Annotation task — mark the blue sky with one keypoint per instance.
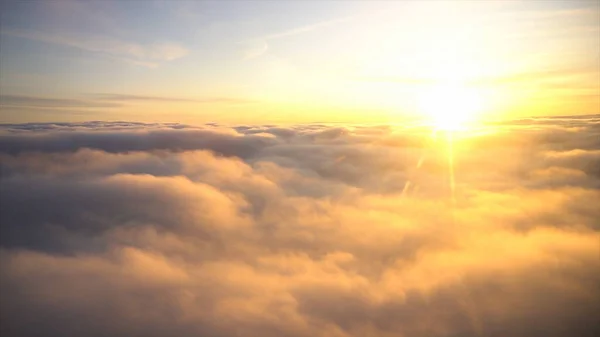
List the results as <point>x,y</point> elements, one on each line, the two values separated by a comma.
<point>291,61</point>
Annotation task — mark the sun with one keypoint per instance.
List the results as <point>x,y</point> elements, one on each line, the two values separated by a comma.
<point>450,107</point>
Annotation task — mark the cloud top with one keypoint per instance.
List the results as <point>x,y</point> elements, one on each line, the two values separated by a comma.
<point>127,229</point>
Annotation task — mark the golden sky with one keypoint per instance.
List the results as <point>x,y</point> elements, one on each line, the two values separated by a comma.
<point>289,62</point>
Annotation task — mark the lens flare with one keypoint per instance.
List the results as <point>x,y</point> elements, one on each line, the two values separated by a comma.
<point>450,107</point>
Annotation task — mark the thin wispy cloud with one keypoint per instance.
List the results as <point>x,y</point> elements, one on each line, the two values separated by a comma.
<point>258,46</point>
<point>552,23</point>
<point>141,54</point>
<point>15,103</point>
<point>581,78</point>
<point>8,101</point>
<point>585,11</point>
<point>141,98</point>
<point>550,74</point>
<point>305,29</point>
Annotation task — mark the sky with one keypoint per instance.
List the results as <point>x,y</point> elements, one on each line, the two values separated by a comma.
<point>290,62</point>
<point>299,169</point>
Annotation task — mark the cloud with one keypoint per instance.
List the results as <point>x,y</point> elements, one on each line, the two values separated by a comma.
<point>126,98</point>
<point>224,141</point>
<point>103,100</point>
<point>144,55</point>
<point>582,79</point>
<point>46,102</point>
<point>124,228</point>
<point>304,29</point>
<point>551,78</point>
<point>257,46</point>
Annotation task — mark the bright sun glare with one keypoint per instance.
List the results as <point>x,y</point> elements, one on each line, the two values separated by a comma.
<point>450,107</point>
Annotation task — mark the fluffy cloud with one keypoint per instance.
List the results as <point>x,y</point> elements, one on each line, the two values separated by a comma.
<point>128,229</point>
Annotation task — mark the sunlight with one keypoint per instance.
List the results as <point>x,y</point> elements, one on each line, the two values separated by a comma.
<point>450,107</point>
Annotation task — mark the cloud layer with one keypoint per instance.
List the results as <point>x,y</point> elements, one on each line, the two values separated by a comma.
<point>131,229</point>
<point>104,100</point>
